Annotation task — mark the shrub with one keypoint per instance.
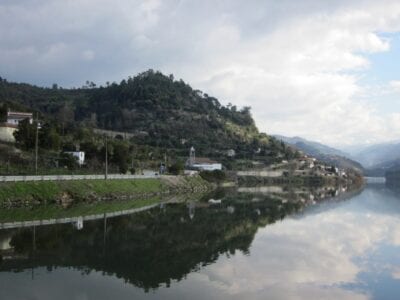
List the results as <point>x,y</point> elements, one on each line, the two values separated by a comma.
<point>213,176</point>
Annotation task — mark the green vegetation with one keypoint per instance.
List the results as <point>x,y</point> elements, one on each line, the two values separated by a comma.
<point>66,193</point>
<point>328,155</point>
<point>217,176</point>
<point>309,181</point>
<point>48,192</point>
<point>80,209</point>
<point>140,248</point>
<point>164,117</point>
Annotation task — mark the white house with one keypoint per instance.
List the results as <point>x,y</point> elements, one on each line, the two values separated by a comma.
<point>14,117</point>
<point>201,163</point>
<point>8,128</point>
<point>79,155</point>
<point>205,164</point>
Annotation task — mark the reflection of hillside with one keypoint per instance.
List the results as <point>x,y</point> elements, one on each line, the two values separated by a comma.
<point>149,248</point>
<point>394,186</point>
<point>305,194</point>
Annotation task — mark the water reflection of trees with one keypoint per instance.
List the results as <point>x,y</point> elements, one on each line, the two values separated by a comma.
<point>152,247</point>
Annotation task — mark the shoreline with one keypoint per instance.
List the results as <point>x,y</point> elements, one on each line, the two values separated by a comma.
<point>67,193</point>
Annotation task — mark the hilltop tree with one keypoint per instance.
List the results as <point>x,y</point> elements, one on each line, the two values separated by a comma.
<point>3,113</point>
<point>49,137</point>
<point>25,136</point>
<point>120,156</point>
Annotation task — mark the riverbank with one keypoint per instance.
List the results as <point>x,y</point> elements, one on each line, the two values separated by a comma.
<point>356,180</point>
<point>66,193</point>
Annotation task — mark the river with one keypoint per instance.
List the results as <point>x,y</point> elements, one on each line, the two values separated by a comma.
<point>248,244</point>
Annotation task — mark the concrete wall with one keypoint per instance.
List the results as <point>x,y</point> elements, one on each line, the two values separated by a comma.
<point>260,173</point>
<point>6,134</point>
<point>208,167</point>
<point>113,134</point>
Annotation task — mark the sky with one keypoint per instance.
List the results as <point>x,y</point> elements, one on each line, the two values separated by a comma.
<point>323,70</point>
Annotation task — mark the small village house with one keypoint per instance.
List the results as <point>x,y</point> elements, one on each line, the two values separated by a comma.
<point>201,163</point>
<point>79,155</point>
<point>205,164</point>
<point>8,128</point>
<point>14,118</point>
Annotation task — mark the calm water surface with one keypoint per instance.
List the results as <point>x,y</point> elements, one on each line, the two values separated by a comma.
<point>250,246</point>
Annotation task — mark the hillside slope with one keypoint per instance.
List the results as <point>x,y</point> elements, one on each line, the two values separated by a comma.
<point>322,152</point>
<point>158,110</point>
<point>378,155</point>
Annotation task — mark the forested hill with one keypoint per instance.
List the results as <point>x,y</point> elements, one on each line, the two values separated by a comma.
<point>160,111</point>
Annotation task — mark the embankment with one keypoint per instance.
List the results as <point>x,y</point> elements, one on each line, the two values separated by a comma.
<point>356,180</point>
<point>65,193</point>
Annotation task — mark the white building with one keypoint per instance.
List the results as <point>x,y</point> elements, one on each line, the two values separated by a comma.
<point>231,153</point>
<point>8,128</point>
<point>201,163</point>
<point>14,118</point>
<point>205,164</point>
<point>79,155</point>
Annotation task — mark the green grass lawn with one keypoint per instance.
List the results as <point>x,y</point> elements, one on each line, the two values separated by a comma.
<point>49,191</point>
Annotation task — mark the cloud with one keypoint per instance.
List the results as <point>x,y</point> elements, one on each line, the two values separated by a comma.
<point>395,85</point>
<point>292,260</point>
<point>298,66</point>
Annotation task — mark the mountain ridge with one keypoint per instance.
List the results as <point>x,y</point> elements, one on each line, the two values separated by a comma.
<point>322,152</point>
<point>162,113</point>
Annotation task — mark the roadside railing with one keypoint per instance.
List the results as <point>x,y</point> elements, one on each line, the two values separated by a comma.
<point>73,177</point>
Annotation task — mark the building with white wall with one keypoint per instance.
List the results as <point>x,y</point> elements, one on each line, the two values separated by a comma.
<point>14,118</point>
<point>79,155</point>
<point>201,163</point>
<point>205,164</point>
<point>8,128</point>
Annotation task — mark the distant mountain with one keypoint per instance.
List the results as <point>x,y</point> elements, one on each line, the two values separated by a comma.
<point>310,147</point>
<point>381,169</point>
<point>380,155</point>
<point>322,152</point>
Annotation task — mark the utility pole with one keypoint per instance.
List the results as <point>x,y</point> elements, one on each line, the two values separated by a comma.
<point>106,169</point>
<point>104,234</point>
<point>165,163</point>
<point>33,252</point>
<point>36,144</point>
<point>132,163</point>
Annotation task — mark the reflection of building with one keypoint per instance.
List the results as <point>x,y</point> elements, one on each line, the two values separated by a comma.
<point>5,243</point>
<point>79,224</point>
<point>191,209</point>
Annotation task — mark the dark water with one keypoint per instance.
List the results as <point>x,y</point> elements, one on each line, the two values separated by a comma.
<point>271,245</point>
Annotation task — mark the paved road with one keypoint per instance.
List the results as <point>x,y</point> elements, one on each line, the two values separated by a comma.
<point>73,177</point>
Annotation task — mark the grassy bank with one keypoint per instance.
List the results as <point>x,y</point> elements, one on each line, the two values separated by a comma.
<point>26,194</point>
